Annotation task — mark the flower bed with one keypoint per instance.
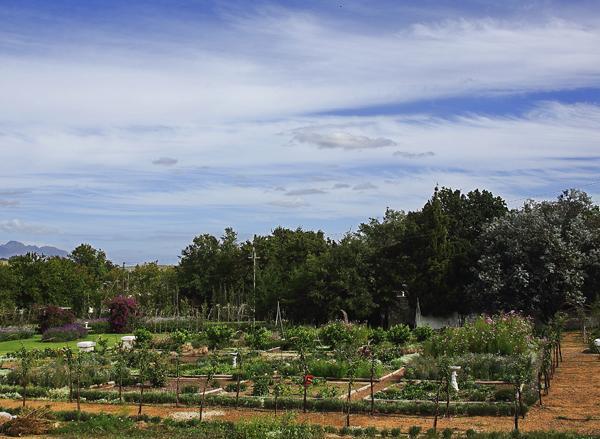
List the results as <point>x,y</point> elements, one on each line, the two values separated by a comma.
<point>16,333</point>
<point>69,332</point>
<point>427,390</point>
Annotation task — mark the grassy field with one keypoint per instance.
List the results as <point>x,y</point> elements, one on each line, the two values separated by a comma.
<point>36,343</point>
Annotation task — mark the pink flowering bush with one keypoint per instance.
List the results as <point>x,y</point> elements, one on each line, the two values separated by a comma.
<point>502,334</point>
<point>123,310</point>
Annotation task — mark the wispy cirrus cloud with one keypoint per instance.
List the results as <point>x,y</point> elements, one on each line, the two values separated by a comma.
<point>188,120</point>
<point>340,140</point>
<point>165,161</point>
<point>19,226</point>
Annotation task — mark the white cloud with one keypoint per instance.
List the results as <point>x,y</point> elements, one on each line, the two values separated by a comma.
<point>308,191</point>
<point>413,155</point>
<point>19,226</point>
<point>340,140</point>
<point>210,76</point>
<point>9,203</point>
<point>165,161</point>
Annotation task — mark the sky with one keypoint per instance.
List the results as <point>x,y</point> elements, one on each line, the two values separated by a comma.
<point>135,126</point>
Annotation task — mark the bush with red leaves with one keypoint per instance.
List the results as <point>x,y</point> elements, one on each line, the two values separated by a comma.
<point>123,310</point>
<point>53,316</point>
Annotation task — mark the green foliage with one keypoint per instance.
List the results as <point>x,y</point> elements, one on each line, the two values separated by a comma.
<point>301,337</point>
<point>259,338</point>
<point>414,431</point>
<point>399,334</point>
<point>503,334</point>
<point>232,387</point>
<point>260,386</point>
<point>15,333</point>
<point>474,366</point>
<point>218,335</point>
<point>142,336</point>
<point>423,333</point>
<point>337,334</point>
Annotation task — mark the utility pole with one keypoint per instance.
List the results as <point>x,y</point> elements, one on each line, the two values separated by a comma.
<point>254,258</point>
<point>123,282</point>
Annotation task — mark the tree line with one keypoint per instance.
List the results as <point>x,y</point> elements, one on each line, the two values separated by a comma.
<point>461,252</point>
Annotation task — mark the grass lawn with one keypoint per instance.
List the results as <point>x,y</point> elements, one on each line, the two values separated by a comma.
<point>36,343</point>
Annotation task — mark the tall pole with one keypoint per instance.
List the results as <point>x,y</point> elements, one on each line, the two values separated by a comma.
<point>254,258</point>
<point>123,286</point>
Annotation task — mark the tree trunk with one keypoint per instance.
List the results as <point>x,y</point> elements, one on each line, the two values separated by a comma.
<point>521,410</point>
<point>177,382</point>
<point>447,414</point>
<point>276,394</point>
<point>70,385</point>
<point>120,385</point>
<point>372,385</point>
<point>79,392</point>
<point>516,405</point>
<point>239,379</point>
<point>348,402</point>
<point>141,399</point>
<point>437,406</point>
<point>24,389</point>
<point>304,395</point>
<point>540,387</point>
<point>560,351</point>
<point>203,396</point>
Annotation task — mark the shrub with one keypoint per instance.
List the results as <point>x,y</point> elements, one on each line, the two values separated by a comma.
<point>69,332</point>
<point>259,338</point>
<point>232,387</point>
<point>423,333</point>
<point>414,431</point>
<point>261,386</point>
<point>378,335</point>
<point>122,312</point>
<point>218,335</point>
<point>143,337</point>
<point>447,433</point>
<point>190,389</point>
<point>15,333</point>
<point>53,316</point>
<point>502,334</point>
<point>399,334</point>
<point>337,334</point>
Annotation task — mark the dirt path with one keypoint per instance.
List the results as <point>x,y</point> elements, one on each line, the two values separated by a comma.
<point>573,404</point>
<point>385,382</point>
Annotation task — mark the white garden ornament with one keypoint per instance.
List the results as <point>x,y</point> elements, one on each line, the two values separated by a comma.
<point>86,346</point>
<point>234,356</point>
<point>128,341</point>
<point>453,381</point>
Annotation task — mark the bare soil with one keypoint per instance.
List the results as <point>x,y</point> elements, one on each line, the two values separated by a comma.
<point>573,404</point>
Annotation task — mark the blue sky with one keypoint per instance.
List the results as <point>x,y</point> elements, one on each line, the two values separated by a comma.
<point>137,125</point>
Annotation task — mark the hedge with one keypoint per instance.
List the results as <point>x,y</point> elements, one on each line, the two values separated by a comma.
<point>425,408</point>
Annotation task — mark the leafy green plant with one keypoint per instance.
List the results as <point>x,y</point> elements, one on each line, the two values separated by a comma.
<point>423,333</point>
<point>399,334</point>
<point>260,386</point>
<point>218,335</point>
<point>414,431</point>
<point>259,338</point>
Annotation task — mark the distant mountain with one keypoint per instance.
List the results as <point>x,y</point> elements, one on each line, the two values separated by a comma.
<point>16,248</point>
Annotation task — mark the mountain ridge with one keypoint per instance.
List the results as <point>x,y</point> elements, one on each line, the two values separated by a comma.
<point>16,248</point>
